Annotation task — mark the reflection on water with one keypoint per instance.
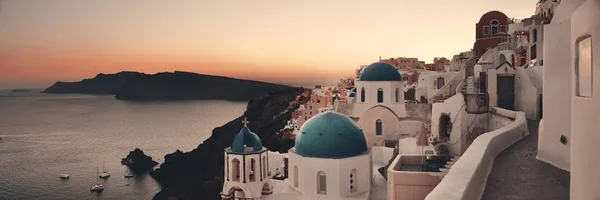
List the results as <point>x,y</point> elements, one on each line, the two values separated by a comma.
<point>45,135</point>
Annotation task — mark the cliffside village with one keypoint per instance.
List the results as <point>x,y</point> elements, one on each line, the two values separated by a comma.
<point>404,129</point>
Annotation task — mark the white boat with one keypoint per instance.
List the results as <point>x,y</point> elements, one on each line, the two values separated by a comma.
<point>98,187</point>
<point>64,176</point>
<point>127,174</point>
<point>105,173</point>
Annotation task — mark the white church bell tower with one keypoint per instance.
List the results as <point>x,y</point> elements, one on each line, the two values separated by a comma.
<point>246,167</point>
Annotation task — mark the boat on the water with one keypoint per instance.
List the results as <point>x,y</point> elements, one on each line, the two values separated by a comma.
<point>64,176</point>
<point>128,175</point>
<point>105,173</point>
<point>97,187</point>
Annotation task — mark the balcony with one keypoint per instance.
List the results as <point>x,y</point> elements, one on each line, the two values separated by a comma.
<point>509,45</point>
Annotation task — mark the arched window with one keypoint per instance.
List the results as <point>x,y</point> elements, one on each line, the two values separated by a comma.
<point>494,26</point>
<point>397,95</point>
<point>264,163</point>
<point>295,176</point>
<point>362,94</point>
<point>353,178</point>
<point>252,170</point>
<point>235,163</point>
<point>321,183</point>
<point>501,59</point>
<point>379,95</point>
<point>378,127</point>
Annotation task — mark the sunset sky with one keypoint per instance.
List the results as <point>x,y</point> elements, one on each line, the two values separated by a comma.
<point>43,41</point>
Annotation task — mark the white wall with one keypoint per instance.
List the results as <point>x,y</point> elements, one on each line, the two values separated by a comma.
<point>556,101</point>
<point>381,154</point>
<point>409,127</point>
<point>451,106</point>
<point>389,90</point>
<point>276,161</point>
<point>585,118</point>
<point>390,125</point>
<point>337,173</point>
<point>389,100</point>
<point>468,176</point>
<point>526,95</point>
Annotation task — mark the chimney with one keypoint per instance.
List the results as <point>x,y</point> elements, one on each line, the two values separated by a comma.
<point>379,58</point>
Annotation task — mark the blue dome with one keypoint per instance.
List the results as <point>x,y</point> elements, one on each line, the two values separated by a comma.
<point>380,71</point>
<point>246,138</point>
<point>353,94</point>
<point>330,135</point>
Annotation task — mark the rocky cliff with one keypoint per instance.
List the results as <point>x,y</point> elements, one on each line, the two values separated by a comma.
<point>178,85</point>
<point>198,174</point>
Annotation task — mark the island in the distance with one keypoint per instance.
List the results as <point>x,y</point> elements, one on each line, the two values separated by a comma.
<point>178,85</point>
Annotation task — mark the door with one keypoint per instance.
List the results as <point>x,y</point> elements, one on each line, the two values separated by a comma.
<point>440,83</point>
<point>506,92</point>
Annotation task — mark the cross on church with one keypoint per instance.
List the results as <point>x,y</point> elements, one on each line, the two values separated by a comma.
<point>245,122</point>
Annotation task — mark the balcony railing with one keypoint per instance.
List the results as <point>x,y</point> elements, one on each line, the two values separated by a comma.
<point>510,45</point>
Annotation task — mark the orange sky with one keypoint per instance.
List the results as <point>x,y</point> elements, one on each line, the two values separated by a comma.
<point>42,41</point>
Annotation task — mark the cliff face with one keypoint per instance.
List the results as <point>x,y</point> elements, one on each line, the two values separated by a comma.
<point>101,84</point>
<point>198,174</point>
<point>134,86</point>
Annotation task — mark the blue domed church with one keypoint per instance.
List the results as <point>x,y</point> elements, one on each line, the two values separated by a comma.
<point>246,167</point>
<point>331,159</point>
<point>379,104</point>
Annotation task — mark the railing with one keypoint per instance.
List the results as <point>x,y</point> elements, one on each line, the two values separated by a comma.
<point>468,176</point>
<point>510,45</point>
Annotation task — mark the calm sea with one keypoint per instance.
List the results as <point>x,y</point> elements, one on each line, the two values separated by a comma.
<point>44,135</point>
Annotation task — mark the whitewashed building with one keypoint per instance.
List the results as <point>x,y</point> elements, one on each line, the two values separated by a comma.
<point>568,137</point>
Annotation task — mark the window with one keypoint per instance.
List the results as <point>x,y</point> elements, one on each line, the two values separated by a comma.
<point>264,163</point>
<point>397,95</point>
<point>503,28</point>
<point>583,68</point>
<point>501,59</point>
<point>295,176</point>
<point>534,35</point>
<point>353,181</point>
<point>252,170</point>
<point>494,24</point>
<point>440,82</point>
<point>236,169</point>
<point>321,183</point>
<point>378,127</point>
<point>362,94</point>
<point>476,53</point>
<point>486,30</point>
<point>379,95</point>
